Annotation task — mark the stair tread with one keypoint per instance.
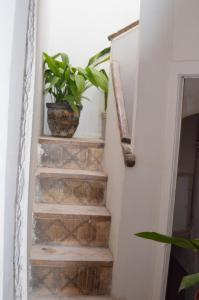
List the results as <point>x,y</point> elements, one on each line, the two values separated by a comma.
<point>61,209</point>
<point>69,173</point>
<point>71,141</point>
<point>34,296</point>
<point>42,253</point>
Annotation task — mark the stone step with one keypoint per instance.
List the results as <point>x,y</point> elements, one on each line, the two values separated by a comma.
<point>70,271</point>
<point>66,186</point>
<point>35,296</point>
<point>75,153</point>
<point>90,142</point>
<point>71,225</point>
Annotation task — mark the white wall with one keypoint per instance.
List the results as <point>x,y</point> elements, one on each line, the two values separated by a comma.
<point>80,28</point>
<point>167,53</point>
<point>142,190</point>
<point>6,33</point>
<point>147,202</point>
<point>124,50</point>
<point>186,31</point>
<point>13,21</point>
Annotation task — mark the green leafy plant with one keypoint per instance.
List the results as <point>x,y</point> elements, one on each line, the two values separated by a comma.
<point>100,80</point>
<point>66,83</point>
<point>192,244</point>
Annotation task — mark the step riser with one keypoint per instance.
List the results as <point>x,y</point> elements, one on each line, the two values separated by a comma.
<point>70,191</point>
<point>75,278</point>
<point>76,157</point>
<point>72,230</point>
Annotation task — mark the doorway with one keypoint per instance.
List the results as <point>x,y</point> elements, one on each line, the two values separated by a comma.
<point>182,261</point>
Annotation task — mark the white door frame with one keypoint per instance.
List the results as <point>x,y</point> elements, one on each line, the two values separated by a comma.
<point>179,71</point>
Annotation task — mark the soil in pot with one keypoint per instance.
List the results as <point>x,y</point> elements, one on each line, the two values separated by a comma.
<point>62,120</point>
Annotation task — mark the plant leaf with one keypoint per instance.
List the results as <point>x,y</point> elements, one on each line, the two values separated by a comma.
<point>56,55</point>
<point>80,83</point>
<point>102,61</point>
<point>54,80</point>
<point>180,242</point>
<point>65,58</point>
<point>189,281</point>
<point>86,98</point>
<point>97,78</point>
<point>71,100</point>
<point>81,71</point>
<point>95,58</point>
<point>51,64</point>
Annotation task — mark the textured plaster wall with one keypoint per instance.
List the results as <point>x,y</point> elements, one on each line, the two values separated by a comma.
<point>6,33</point>
<point>13,20</point>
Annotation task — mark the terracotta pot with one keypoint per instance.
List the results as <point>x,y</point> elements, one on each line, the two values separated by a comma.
<point>103,116</point>
<point>62,120</point>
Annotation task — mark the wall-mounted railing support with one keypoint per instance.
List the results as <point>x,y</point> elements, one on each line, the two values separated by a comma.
<point>125,138</point>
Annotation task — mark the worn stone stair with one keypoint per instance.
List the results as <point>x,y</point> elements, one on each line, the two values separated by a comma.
<point>34,296</point>
<point>76,154</point>
<point>70,258</point>
<point>71,224</point>
<point>71,270</point>
<point>67,186</point>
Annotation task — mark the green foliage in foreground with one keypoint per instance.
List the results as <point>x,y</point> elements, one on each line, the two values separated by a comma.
<point>66,83</point>
<point>192,244</point>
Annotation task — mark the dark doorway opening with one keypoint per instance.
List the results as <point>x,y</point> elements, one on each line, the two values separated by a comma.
<point>186,212</point>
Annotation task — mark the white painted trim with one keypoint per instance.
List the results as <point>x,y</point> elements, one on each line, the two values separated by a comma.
<point>21,225</point>
<point>179,71</point>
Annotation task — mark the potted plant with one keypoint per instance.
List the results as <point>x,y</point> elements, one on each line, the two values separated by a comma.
<point>66,86</point>
<point>191,244</point>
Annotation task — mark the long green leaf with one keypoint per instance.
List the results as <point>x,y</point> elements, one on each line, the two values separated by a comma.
<point>80,83</point>
<point>97,56</point>
<point>86,98</point>
<point>81,71</point>
<point>102,61</point>
<point>65,59</point>
<point>97,78</point>
<point>189,281</point>
<point>180,242</point>
<point>51,64</point>
<point>54,80</point>
<point>56,55</point>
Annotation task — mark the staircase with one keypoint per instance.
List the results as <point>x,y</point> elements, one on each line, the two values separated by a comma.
<point>69,255</point>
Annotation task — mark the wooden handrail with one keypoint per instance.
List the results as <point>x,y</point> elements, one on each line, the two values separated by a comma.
<point>123,30</point>
<point>125,138</point>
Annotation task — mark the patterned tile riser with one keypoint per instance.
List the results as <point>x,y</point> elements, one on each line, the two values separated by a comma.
<point>73,230</point>
<point>74,157</point>
<point>74,279</point>
<point>70,191</point>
